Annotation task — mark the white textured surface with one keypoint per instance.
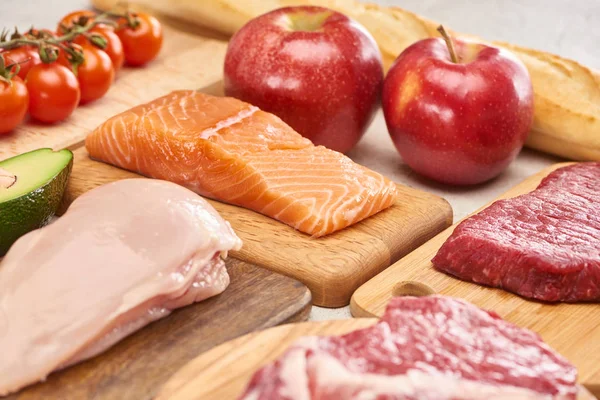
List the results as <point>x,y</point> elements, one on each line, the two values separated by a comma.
<point>566,27</point>
<point>570,28</point>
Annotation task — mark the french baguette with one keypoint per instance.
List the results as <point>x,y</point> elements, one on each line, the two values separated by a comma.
<point>567,94</point>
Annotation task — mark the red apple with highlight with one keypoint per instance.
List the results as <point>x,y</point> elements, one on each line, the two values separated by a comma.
<point>318,70</point>
<point>458,112</point>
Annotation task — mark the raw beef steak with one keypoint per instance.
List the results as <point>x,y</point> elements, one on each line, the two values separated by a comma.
<point>431,347</point>
<point>543,245</point>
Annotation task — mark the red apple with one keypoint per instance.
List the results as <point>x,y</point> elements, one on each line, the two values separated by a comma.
<point>458,112</point>
<point>315,68</point>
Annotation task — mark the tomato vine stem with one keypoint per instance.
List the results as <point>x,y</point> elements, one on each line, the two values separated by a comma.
<point>49,46</point>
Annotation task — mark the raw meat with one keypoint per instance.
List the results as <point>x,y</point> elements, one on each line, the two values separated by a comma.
<point>543,245</point>
<point>123,255</point>
<point>426,348</point>
<point>231,151</point>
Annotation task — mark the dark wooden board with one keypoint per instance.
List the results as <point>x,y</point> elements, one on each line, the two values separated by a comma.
<point>140,364</point>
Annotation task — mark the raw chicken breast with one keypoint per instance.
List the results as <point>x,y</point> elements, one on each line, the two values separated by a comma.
<point>124,254</point>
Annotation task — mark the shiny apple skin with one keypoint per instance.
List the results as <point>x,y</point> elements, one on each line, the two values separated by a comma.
<point>459,124</point>
<point>325,84</point>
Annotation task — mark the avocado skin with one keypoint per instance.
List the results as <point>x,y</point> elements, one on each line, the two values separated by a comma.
<point>32,210</point>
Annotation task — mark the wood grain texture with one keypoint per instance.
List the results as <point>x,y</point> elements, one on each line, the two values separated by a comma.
<point>180,65</point>
<point>333,266</point>
<point>136,367</point>
<point>223,372</point>
<point>571,329</point>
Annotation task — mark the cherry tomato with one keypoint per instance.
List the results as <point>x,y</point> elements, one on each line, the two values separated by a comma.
<point>143,43</point>
<point>14,100</point>
<point>95,75</point>
<point>53,92</point>
<point>114,47</point>
<point>26,56</point>
<point>69,20</point>
<point>63,60</point>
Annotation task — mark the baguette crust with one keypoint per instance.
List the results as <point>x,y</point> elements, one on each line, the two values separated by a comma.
<point>567,105</point>
<point>567,94</point>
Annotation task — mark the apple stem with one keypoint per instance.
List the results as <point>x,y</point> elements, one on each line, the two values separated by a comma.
<point>449,43</point>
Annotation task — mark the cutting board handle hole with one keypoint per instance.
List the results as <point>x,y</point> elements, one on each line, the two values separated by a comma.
<point>410,288</point>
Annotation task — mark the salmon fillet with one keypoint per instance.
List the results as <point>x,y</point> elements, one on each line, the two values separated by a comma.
<point>231,151</point>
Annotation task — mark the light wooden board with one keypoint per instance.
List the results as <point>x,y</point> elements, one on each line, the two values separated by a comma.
<point>186,61</point>
<point>333,266</point>
<point>572,329</point>
<point>224,372</point>
<point>136,367</point>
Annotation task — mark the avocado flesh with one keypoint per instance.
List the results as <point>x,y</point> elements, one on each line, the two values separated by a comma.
<point>31,201</point>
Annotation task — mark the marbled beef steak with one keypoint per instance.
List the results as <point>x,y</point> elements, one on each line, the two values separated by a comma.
<point>433,347</point>
<point>543,245</point>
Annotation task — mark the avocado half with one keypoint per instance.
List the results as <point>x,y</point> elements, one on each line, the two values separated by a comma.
<point>32,186</point>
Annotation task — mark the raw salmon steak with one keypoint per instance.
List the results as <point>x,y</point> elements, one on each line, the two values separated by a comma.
<point>231,151</point>
<point>124,254</point>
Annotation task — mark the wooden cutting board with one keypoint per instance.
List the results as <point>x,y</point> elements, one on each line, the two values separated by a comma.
<point>186,61</point>
<point>224,372</point>
<point>136,367</point>
<point>572,329</point>
<point>333,266</point>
